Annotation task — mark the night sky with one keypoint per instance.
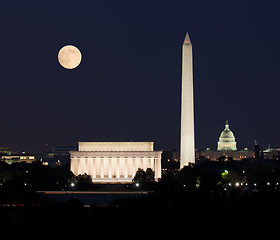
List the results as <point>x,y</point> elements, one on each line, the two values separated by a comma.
<point>128,85</point>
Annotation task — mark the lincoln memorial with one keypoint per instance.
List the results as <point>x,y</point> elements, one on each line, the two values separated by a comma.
<point>115,161</point>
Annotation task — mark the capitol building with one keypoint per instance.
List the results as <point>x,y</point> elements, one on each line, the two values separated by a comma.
<point>226,149</point>
<point>227,140</point>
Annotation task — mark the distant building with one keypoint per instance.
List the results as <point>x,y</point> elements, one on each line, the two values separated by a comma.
<point>114,162</point>
<point>170,160</point>
<point>211,155</point>
<point>226,149</point>
<point>7,156</point>
<point>4,151</point>
<point>57,156</point>
<point>257,151</point>
<point>271,153</point>
<point>17,158</point>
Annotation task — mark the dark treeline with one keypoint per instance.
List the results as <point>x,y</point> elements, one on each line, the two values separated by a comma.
<point>217,194</point>
<point>219,176</point>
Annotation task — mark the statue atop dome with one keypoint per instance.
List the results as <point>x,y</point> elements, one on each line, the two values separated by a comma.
<point>227,140</point>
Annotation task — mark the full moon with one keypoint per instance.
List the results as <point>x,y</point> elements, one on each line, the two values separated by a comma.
<point>69,57</point>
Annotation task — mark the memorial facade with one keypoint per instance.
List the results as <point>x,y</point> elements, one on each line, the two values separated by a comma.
<point>109,162</point>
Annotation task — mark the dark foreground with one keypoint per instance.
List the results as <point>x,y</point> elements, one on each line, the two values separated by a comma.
<point>208,200</point>
<point>162,215</point>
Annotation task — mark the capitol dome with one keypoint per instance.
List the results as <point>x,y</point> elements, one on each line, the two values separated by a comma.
<point>227,140</point>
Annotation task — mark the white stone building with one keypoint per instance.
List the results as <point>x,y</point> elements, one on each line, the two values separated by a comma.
<point>115,161</point>
<point>227,140</point>
<point>226,148</point>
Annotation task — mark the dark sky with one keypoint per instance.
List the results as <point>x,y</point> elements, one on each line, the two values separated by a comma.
<point>128,84</point>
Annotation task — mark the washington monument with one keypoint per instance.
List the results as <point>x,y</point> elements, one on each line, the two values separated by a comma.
<point>187,154</point>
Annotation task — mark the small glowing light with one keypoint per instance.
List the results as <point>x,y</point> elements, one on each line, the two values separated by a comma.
<point>137,184</point>
<point>237,184</point>
<point>224,174</point>
<point>72,184</point>
<point>255,184</point>
<point>268,183</point>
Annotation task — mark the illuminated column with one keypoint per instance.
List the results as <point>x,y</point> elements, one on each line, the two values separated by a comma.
<point>113,170</point>
<point>187,154</point>
<point>114,167</point>
<point>121,166</point>
<point>105,167</point>
<point>129,170</point>
<point>126,167</point>
<point>117,167</point>
<point>86,165</point>
<point>112,163</point>
<point>74,165</point>
<point>83,165</point>
<point>150,163</point>
<point>138,163</point>
<point>97,167</point>
<point>144,162</point>
<point>80,165</point>
<point>109,166</point>
<point>101,167</point>
<point>134,167</point>
<point>93,167</point>
<point>157,168</point>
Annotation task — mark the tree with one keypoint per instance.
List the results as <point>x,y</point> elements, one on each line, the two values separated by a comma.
<point>168,180</point>
<point>150,175</point>
<point>144,178</point>
<point>188,176</point>
<point>83,182</point>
